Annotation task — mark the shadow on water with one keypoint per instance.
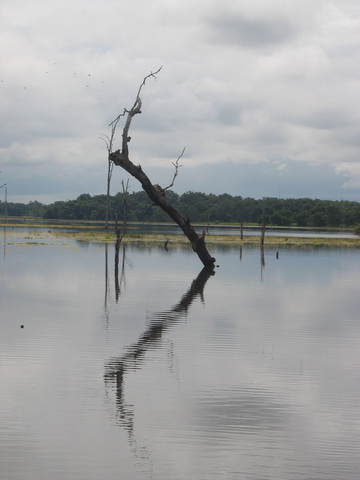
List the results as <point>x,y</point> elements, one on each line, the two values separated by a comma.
<point>135,356</point>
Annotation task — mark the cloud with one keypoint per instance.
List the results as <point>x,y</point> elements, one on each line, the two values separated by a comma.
<point>247,83</point>
<point>250,32</point>
<point>265,179</point>
<point>257,26</point>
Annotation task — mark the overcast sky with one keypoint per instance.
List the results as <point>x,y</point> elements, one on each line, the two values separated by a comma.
<point>264,95</point>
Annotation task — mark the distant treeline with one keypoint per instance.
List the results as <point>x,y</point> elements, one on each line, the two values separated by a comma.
<point>198,207</point>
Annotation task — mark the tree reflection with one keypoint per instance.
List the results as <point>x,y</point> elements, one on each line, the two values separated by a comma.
<point>4,241</point>
<point>119,276</point>
<point>262,261</point>
<point>116,368</point>
<point>119,281</point>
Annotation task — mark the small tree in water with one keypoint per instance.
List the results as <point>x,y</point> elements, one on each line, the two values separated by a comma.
<point>155,192</point>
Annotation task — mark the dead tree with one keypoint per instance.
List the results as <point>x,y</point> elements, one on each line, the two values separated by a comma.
<point>156,193</point>
<point>263,229</point>
<point>109,144</point>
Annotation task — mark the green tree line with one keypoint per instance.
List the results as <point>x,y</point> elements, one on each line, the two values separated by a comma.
<point>199,207</point>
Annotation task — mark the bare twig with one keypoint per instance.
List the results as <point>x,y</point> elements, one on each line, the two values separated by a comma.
<point>177,166</point>
<point>116,121</point>
<point>162,190</point>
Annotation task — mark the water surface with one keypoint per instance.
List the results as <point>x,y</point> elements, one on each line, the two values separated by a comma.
<point>168,372</point>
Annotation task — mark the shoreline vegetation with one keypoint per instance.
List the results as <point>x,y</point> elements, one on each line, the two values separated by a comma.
<point>199,207</point>
<point>95,232</point>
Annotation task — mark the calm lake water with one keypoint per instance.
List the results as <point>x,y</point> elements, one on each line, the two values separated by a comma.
<point>169,373</point>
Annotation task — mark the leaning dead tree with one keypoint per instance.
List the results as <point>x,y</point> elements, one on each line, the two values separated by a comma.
<point>155,192</point>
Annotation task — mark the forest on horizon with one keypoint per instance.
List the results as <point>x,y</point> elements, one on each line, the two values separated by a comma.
<point>198,207</point>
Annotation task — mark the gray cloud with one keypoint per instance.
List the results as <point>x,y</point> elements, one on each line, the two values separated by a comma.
<point>251,32</point>
<point>249,84</point>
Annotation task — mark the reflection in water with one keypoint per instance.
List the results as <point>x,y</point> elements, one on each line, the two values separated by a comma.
<point>262,261</point>
<point>119,282</point>
<point>4,241</point>
<point>106,308</point>
<point>116,368</point>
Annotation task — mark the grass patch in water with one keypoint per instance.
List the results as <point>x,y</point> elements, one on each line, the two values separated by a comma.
<point>87,233</point>
<point>222,240</point>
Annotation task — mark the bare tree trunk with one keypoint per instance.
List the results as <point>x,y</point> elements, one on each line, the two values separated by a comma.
<point>262,236</point>
<point>157,195</point>
<point>107,206</point>
<point>263,229</point>
<point>155,192</point>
